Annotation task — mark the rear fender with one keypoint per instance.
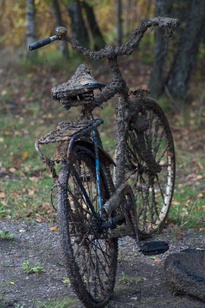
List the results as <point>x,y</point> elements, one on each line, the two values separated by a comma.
<point>105,157</point>
<point>61,151</point>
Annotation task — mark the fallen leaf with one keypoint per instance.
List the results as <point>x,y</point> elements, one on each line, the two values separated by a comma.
<point>22,230</point>
<point>38,220</point>
<point>200,166</point>
<point>199,176</point>
<point>25,154</point>
<point>2,194</point>
<point>12,169</point>
<point>55,228</point>
<point>31,192</point>
<point>157,260</point>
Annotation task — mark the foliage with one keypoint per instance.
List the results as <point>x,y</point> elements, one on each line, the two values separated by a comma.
<point>130,280</point>
<point>6,235</point>
<point>67,281</point>
<point>2,210</point>
<point>28,268</point>
<point>13,21</point>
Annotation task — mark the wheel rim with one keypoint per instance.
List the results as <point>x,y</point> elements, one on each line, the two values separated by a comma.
<point>93,255</point>
<point>153,188</point>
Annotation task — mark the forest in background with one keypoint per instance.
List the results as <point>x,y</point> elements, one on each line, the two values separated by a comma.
<point>102,22</point>
<point>13,28</point>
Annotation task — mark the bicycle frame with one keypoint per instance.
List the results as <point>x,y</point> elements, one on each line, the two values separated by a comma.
<point>117,86</point>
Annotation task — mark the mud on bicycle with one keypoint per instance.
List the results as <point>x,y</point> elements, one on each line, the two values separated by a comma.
<point>94,207</point>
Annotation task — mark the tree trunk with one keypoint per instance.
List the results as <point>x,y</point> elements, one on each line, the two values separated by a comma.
<point>192,15</point>
<point>78,27</point>
<point>30,21</point>
<point>96,34</point>
<point>59,22</point>
<point>157,77</point>
<point>119,21</point>
<point>185,58</point>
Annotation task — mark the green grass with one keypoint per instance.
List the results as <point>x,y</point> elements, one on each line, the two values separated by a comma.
<point>2,210</point>
<point>26,182</point>
<point>59,303</point>
<point>188,206</point>
<point>28,113</point>
<point>126,279</point>
<point>6,235</point>
<point>29,268</point>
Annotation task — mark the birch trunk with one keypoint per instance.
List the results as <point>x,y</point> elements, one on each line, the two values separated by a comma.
<point>30,21</point>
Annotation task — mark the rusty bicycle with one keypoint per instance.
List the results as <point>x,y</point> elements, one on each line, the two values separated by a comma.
<point>95,208</point>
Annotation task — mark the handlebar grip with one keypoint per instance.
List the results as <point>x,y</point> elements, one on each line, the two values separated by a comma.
<point>43,42</point>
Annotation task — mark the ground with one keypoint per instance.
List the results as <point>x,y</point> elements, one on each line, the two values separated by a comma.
<point>140,280</point>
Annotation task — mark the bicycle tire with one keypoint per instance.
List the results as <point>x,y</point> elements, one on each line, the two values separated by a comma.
<point>91,261</point>
<point>150,165</point>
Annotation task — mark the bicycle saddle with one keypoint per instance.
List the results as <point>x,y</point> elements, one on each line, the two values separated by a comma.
<point>81,82</point>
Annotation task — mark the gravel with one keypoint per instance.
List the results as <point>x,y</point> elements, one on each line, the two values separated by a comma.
<point>140,279</point>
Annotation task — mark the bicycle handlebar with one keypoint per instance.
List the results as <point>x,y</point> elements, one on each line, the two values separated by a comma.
<point>168,24</point>
<point>41,43</point>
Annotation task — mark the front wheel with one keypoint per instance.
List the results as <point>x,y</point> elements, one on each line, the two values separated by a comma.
<point>150,161</point>
<point>90,257</point>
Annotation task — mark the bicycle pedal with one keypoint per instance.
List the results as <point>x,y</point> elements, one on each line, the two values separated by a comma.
<point>154,248</point>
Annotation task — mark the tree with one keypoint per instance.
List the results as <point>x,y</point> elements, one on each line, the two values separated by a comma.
<point>186,55</point>
<point>78,27</point>
<point>176,81</point>
<point>119,21</point>
<point>59,22</point>
<point>84,25</point>
<point>158,69</point>
<point>98,40</point>
<point>30,21</point>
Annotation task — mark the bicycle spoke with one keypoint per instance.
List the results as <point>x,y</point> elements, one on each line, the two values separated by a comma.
<point>93,255</point>
<point>151,165</point>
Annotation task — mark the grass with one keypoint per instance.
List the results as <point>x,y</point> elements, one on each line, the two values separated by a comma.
<point>66,280</point>
<point>2,210</point>
<point>59,303</point>
<point>126,279</point>
<point>6,235</point>
<point>26,183</point>
<point>29,268</point>
<point>188,207</point>
<point>29,113</point>
<point>25,189</point>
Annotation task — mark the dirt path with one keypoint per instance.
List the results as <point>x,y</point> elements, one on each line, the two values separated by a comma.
<point>140,280</point>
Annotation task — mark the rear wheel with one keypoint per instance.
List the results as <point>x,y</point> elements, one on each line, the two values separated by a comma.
<point>150,162</point>
<point>91,258</point>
